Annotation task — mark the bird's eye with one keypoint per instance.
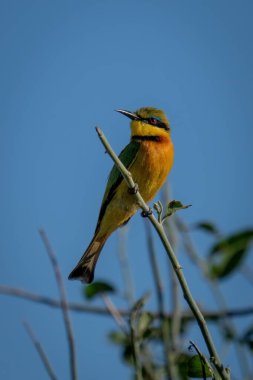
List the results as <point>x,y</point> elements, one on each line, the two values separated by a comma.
<point>153,121</point>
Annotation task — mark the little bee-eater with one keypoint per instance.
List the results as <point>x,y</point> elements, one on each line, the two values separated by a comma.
<point>149,158</point>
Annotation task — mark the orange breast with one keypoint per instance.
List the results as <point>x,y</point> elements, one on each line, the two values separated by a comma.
<point>152,166</point>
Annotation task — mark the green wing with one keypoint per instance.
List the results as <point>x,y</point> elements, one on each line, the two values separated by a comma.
<point>127,157</point>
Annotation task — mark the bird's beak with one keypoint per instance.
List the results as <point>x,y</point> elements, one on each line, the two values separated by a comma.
<point>129,114</point>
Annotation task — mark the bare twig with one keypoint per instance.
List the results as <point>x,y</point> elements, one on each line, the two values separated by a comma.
<point>124,265</point>
<point>114,312</point>
<point>135,346</point>
<point>175,313</point>
<point>51,302</point>
<point>171,232</point>
<point>168,360</point>
<point>177,267</point>
<point>40,351</point>
<point>174,331</point>
<point>155,270</point>
<point>64,303</point>
<point>81,308</point>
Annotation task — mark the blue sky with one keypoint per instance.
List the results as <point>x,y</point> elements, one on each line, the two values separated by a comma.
<point>65,67</point>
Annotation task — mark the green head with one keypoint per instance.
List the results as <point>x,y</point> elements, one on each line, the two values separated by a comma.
<point>148,121</point>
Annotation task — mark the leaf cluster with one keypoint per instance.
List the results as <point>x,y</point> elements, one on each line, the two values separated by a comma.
<point>227,253</point>
<point>143,340</point>
<point>148,335</point>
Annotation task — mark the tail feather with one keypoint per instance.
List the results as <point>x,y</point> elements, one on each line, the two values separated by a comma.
<point>84,271</point>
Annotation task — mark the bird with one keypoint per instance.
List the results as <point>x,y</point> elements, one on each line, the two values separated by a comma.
<point>149,158</point>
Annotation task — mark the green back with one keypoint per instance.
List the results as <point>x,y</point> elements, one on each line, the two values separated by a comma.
<point>127,157</point>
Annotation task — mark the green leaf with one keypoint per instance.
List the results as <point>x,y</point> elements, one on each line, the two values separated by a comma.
<point>118,338</point>
<point>208,227</point>
<point>144,323</point>
<point>128,354</point>
<point>175,206</point>
<point>153,333</point>
<point>96,288</point>
<point>231,253</point>
<point>228,265</point>
<point>124,341</point>
<point>239,240</point>
<point>172,207</point>
<point>197,368</point>
<point>182,365</point>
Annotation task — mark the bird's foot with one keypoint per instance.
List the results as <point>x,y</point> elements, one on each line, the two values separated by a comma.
<point>133,190</point>
<point>145,214</point>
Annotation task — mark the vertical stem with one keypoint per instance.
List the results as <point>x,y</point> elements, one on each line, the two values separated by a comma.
<point>135,348</point>
<point>171,232</point>
<point>124,265</point>
<point>168,358</point>
<point>64,304</point>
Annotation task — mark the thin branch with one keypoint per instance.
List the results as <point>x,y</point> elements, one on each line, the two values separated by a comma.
<point>114,312</point>
<point>135,346</point>
<point>51,302</point>
<point>64,303</point>
<point>155,270</point>
<point>81,308</point>
<point>40,351</point>
<point>171,232</point>
<point>124,266</point>
<point>174,331</point>
<point>168,360</point>
<point>175,312</point>
<point>177,267</point>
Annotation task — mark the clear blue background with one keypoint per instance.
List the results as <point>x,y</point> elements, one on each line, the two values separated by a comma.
<point>65,66</point>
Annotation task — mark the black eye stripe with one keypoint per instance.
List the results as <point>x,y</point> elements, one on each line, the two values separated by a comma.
<point>155,122</point>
